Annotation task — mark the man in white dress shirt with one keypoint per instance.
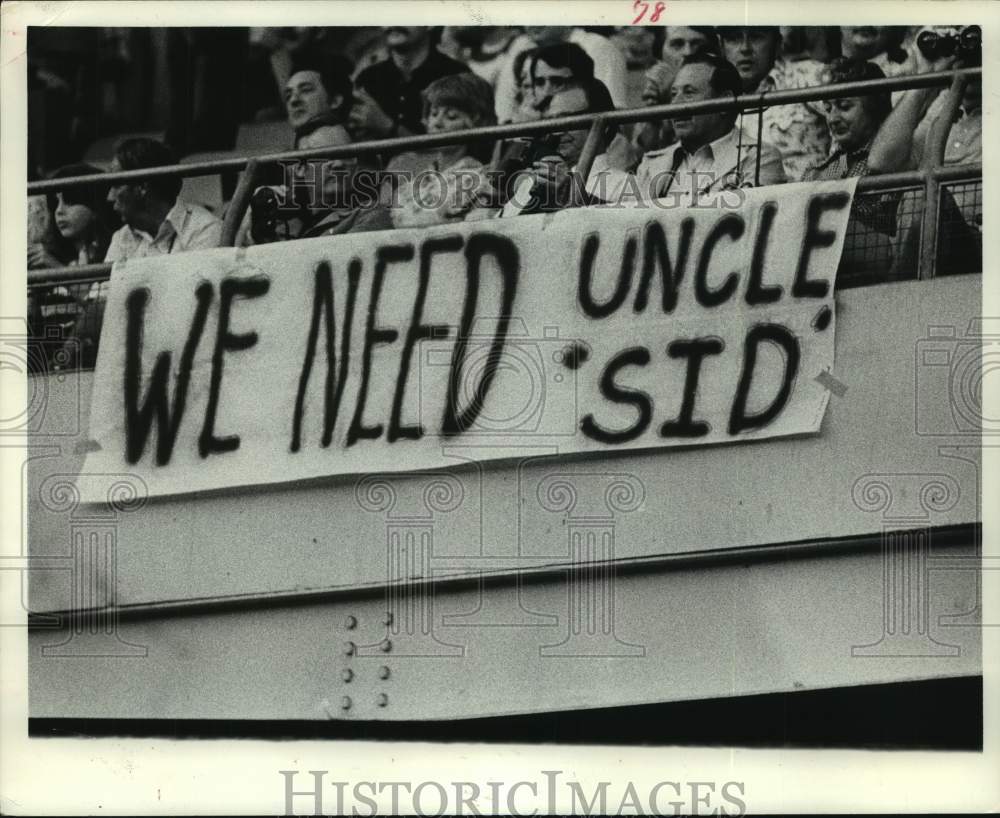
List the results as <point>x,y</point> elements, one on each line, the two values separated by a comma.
<point>712,154</point>
<point>156,221</point>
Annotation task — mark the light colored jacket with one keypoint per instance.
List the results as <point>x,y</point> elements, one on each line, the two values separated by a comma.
<point>728,162</point>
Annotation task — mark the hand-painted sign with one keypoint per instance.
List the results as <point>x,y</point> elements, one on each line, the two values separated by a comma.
<point>590,330</point>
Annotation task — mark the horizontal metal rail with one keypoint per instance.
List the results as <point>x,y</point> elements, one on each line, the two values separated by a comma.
<point>536,571</point>
<point>576,122</point>
<point>913,178</point>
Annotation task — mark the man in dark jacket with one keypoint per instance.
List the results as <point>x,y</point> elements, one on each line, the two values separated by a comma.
<point>387,95</point>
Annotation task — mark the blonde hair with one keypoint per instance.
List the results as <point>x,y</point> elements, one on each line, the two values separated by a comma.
<point>468,92</point>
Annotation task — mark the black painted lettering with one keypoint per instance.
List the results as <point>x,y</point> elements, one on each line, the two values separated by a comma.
<point>656,254</point>
<point>455,420</point>
<point>585,281</point>
<point>611,390</point>
<point>226,341</point>
<point>392,254</point>
<point>804,287</point>
<point>739,420</point>
<point>694,351</point>
<point>416,332</point>
<point>731,225</point>
<point>323,309</point>
<point>139,420</point>
<point>757,293</point>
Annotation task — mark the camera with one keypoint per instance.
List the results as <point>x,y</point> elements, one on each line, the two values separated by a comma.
<point>950,370</point>
<point>522,152</point>
<point>264,215</point>
<point>542,146</point>
<point>534,393</point>
<point>967,45</point>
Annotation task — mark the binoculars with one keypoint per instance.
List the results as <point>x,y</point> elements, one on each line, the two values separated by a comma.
<point>967,44</point>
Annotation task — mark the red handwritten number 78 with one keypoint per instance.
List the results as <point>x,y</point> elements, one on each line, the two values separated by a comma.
<point>643,7</point>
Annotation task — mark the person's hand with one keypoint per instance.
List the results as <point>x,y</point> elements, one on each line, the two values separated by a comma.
<point>551,173</point>
<point>657,83</point>
<point>378,121</point>
<point>461,197</point>
<point>621,154</point>
<point>40,258</point>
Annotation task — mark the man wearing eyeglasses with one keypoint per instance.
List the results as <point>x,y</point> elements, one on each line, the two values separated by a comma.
<point>548,185</point>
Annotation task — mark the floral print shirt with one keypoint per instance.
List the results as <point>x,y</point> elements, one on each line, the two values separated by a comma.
<point>797,131</point>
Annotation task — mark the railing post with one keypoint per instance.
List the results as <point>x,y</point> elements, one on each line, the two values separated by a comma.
<point>928,227</point>
<point>238,206</point>
<point>586,160</point>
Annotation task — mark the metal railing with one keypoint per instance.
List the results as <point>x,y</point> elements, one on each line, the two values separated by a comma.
<point>931,177</point>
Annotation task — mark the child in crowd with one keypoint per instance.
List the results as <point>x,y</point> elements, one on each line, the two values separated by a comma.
<point>80,223</point>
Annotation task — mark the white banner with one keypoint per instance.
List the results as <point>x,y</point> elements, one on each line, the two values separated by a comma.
<point>590,330</point>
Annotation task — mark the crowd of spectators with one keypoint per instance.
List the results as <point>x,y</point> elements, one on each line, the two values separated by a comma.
<point>336,87</point>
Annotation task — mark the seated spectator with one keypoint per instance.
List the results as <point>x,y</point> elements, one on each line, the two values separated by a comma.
<point>798,132</point>
<point>557,66</point>
<point>550,69</point>
<point>608,61</point>
<point>549,184</point>
<point>317,196</point>
<point>39,218</point>
<point>391,89</point>
<point>523,108</point>
<point>490,52</point>
<point>311,93</point>
<point>82,220</point>
<point>882,45</point>
<point>853,122</point>
<point>368,119</point>
<point>445,184</point>
<point>923,117</point>
<point>713,153</point>
<point>638,44</point>
<point>276,47</point>
<point>900,145</point>
<point>156,222</point>
<point>679,42</point>
<point>873,247</point>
